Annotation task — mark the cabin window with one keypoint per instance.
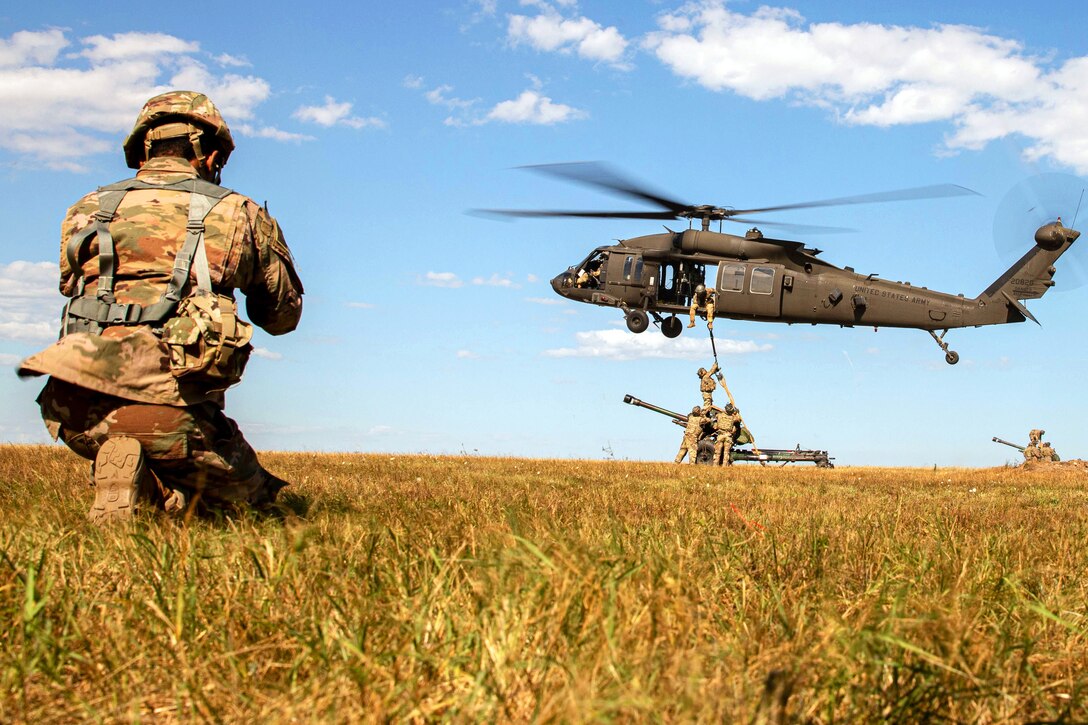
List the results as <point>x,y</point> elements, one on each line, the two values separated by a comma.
<point>668,278</point>
<point>632,268</point>
<point>731,278</point>
<point>762,280</point>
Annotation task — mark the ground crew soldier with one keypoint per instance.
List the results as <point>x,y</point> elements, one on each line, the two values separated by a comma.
<point>707,384</point>
<point>1047,453</point>
<point>693,432</point>
<point>727,425</point>
<point>1032,454</point>
<point>702,298</point>
<point>151,337</point>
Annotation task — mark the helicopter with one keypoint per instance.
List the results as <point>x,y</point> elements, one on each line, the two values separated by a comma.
<point>760,278</point>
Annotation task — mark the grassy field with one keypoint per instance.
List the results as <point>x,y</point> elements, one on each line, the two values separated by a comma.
<point>460,588</point>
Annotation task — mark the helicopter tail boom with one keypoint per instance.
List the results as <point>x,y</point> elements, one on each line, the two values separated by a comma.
<point>1033,274</point>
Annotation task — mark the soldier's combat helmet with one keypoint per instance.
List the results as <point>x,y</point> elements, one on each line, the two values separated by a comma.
<point>176,114</point>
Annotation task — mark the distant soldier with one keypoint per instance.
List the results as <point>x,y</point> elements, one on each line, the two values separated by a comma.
<point>1032,453</point>
<point>693,432</point>
<point>702,298</point>
<point>707,384</point>
<point>1048,454</point>
<point>727,426</point>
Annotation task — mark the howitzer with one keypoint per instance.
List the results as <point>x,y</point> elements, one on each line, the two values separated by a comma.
<point>1007,443</point>
<point>764,455</point>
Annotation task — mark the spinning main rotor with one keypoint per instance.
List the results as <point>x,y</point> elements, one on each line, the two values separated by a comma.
<point>599,175</point>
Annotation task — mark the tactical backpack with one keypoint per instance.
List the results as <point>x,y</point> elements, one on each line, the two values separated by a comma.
<point>205,336</point>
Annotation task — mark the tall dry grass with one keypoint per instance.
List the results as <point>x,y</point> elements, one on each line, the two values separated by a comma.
<point>458,588</point>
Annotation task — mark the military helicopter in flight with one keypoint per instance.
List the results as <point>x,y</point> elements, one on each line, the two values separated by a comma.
<point>756,277</point>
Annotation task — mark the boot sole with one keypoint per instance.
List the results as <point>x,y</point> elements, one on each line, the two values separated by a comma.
<point>117,471</point>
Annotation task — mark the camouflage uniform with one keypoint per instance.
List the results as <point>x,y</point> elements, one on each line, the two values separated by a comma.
<point>727,426</point>
<point>702,298</point>
<point>120,382</point>
<point>693,432</point>
<point>707,384</point>
<point>1032,452</point>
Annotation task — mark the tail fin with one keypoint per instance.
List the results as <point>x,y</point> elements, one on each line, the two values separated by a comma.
<point>1033,274</point>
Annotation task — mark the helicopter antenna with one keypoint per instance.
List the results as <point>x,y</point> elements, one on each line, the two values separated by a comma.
<point>1077,213</point>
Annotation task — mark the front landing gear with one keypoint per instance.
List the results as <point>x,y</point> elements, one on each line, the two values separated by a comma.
<point>637,321</point>
<point>950,356</point>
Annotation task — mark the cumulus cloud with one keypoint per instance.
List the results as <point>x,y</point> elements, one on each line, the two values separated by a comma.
<point>334,113</point>
<point>496,280</point>
<point>30,304</point>
<point>440,279</point>
<point>532,107</point>
<point>545,300</point>
<point>67,99</point>
<point>550,31</point>
<point>624,345</point>
<point>467,355</point>
<point>987,87</point>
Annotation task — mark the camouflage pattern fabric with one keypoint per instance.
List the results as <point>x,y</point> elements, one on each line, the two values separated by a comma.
<point>196,449</point>
<point>245,250</point>
<point>706,299</point>
<point>707,384</point>
<point>693,431</point>
<point>726,425</point>
<point>121,383</point>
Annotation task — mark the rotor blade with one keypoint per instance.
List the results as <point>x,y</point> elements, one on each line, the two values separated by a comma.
<point>583,214</point>
<point>1033,202</point>
<point>595,173</point>
<point>922,192</point>
<point>792,228</point>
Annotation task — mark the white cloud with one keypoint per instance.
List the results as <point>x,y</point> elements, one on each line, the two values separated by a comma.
<point>30,304</point>
<point>361,305</point>
<point>550,31</point>
<point>496,281</point>
<point>440,279</point>
<point>624,345</point>
<point>987,87</point>
<point>545,300</point>
<point>269,132</point>
<point>467,355</point>
<point>226,59</point>
<point>67,99</point>
<point>267,354</point>
<point>33,47</point>
<point>532,107</point>
<point>334,113</point>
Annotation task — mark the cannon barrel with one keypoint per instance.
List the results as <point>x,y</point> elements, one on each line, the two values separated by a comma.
<point>1001,440</point>
<point>632,400</point>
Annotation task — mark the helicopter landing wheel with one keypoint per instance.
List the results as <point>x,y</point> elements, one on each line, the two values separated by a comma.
<point>672,327</point>
<point>950,356</point>
<point>637,321</point>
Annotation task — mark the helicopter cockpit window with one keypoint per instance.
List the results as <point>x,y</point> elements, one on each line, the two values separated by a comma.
<point>731,278</point>
<point>762,280</point>
<point>632,268</point>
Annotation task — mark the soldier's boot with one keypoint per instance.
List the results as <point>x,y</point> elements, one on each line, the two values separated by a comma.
<point>120,475</point>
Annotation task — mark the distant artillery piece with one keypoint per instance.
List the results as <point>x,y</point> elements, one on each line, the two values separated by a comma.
<point>705,454</point>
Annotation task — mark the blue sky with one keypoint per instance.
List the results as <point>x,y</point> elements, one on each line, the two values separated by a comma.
<point>371,128</point>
